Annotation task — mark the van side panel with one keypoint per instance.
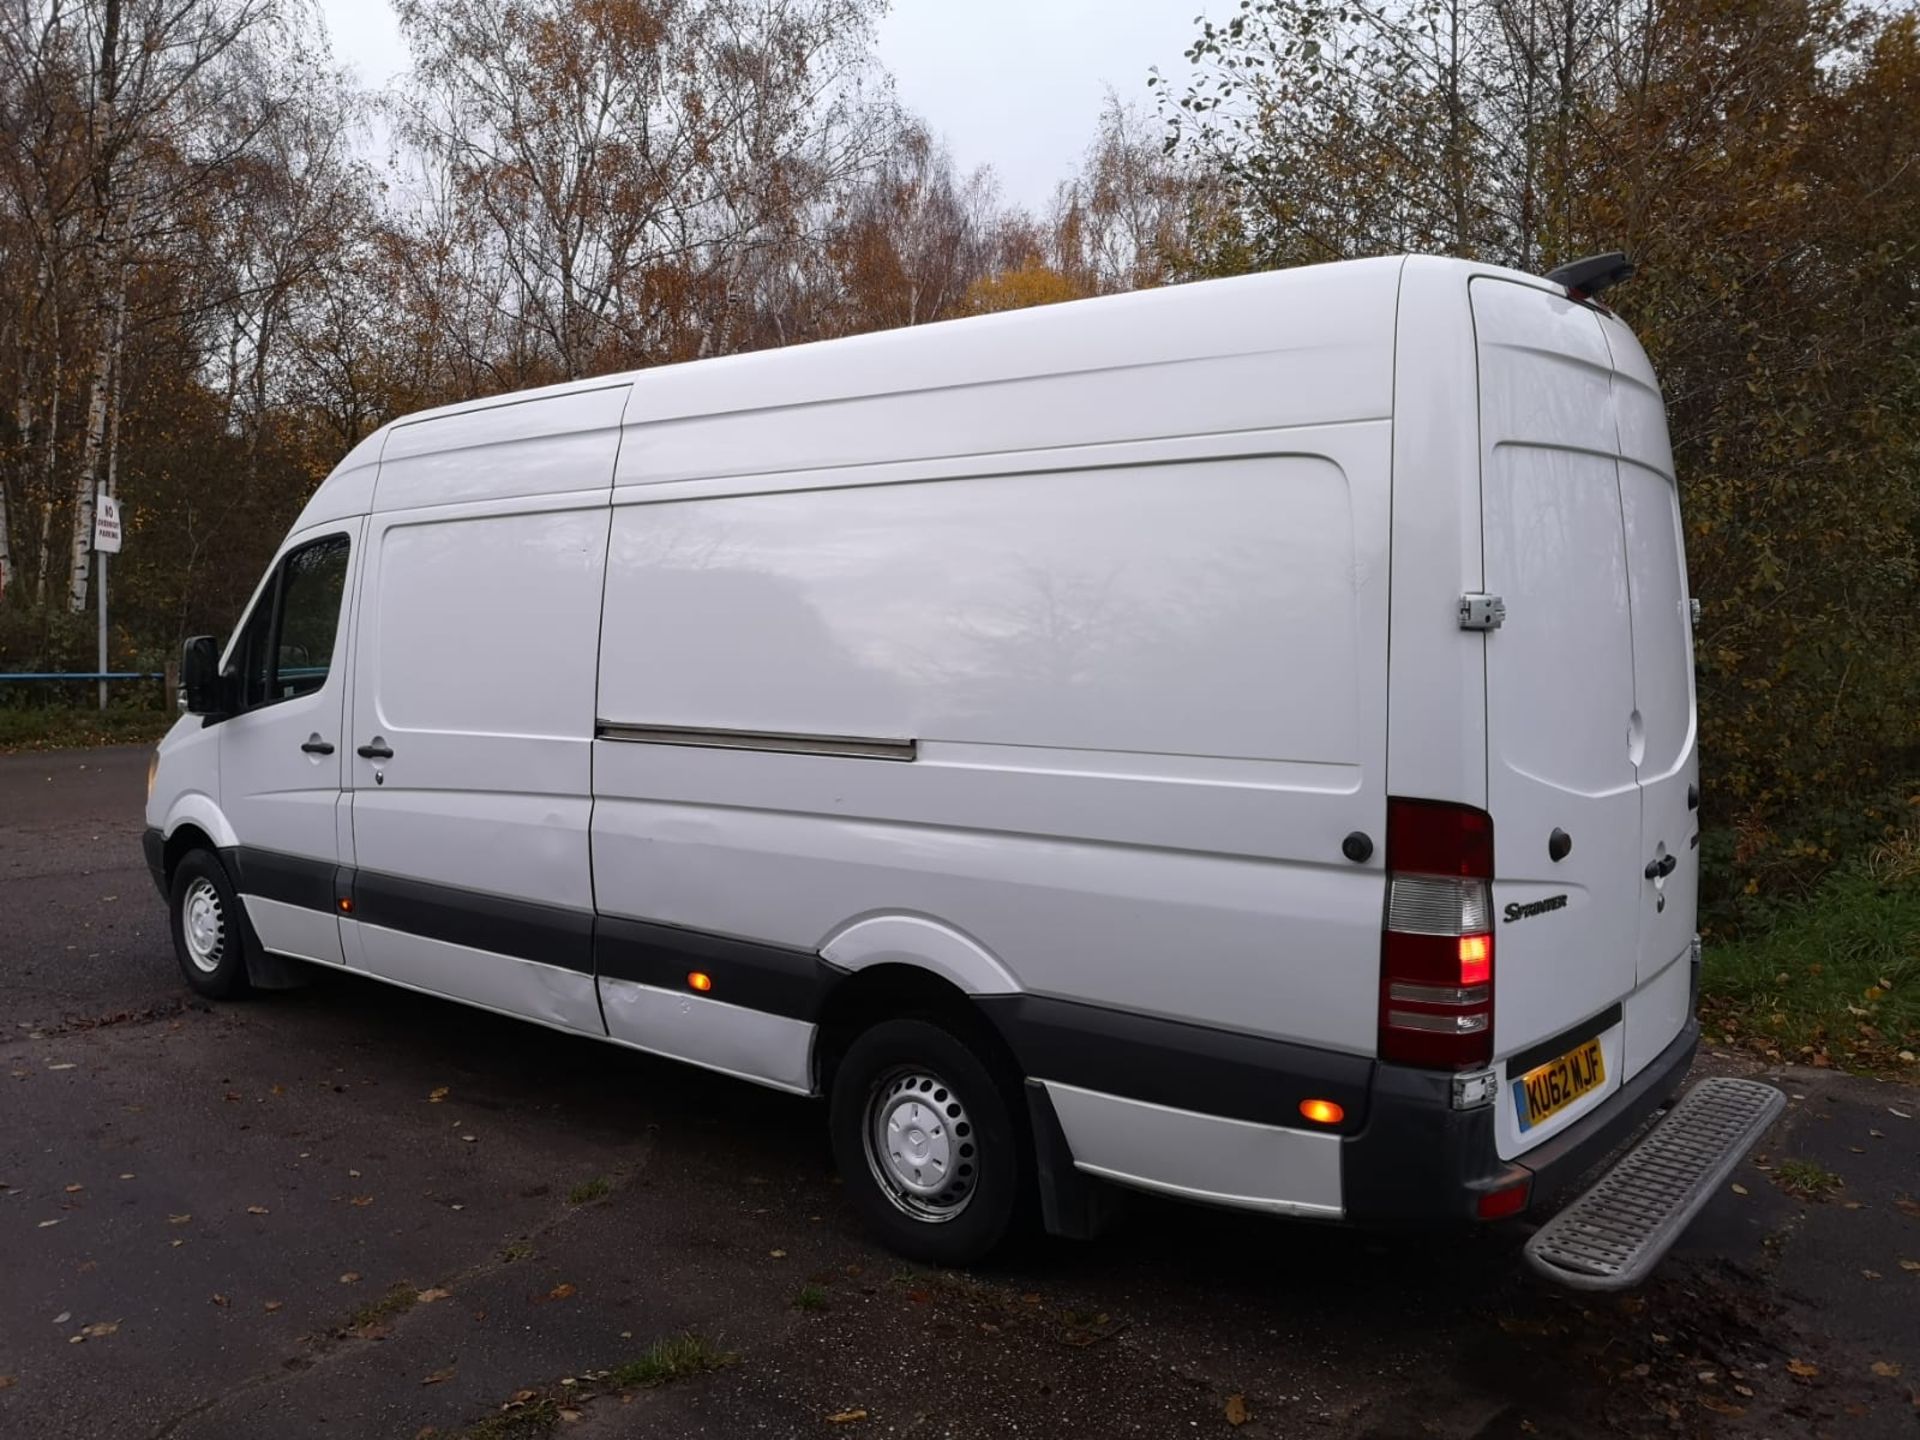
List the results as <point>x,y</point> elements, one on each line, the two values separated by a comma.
<point>1288,348</point>
<point>506,450</point>
<point>1436,703</point>
<point>1145,702</point>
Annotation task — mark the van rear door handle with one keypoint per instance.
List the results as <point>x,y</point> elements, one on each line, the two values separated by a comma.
<point>316,746</point>
<point>1663,867</point>
<point>375,749</point>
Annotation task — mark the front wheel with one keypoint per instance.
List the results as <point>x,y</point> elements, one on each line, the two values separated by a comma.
<point>208,936</point>
<point>927,1143</point>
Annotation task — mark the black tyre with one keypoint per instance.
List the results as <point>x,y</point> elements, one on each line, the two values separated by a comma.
<point>209,929</point>
<point>928,1141</point>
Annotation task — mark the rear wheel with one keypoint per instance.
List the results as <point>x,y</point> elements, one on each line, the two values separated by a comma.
<point>927,1141</point>
<point>208,936</point>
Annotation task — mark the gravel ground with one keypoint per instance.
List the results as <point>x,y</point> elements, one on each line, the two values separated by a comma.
<point>354,1211</point>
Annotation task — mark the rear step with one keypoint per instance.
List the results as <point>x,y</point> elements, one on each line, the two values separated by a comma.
<point>1612,1236</point>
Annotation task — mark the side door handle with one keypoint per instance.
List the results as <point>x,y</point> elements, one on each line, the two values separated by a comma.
<point>1663,867</point>
<point>316,746</point>
<point>375,749</point>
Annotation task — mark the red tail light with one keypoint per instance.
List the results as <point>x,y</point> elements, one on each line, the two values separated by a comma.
<point>1436,954</point>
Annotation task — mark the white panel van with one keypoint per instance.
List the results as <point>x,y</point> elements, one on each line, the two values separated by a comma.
<point>1235,741</point>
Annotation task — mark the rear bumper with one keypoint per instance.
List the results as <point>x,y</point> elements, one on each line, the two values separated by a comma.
<point>1419,1159</point>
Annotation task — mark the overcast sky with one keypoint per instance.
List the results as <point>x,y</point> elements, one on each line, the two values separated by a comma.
<point>1015,84</point>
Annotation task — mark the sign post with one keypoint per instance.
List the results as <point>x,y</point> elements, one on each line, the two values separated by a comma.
<point>106,541</point>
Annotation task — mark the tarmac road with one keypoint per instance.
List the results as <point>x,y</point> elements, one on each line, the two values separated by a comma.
<point>352,1211</point>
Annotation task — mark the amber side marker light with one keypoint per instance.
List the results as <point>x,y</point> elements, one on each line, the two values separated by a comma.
<point>700,980</point>
<point>1323,1112</point>
<point>346,906</point>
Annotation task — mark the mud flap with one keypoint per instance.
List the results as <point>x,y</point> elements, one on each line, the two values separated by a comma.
<point>1073,1206</point>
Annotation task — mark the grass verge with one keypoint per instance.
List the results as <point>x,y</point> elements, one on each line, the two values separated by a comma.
<point>526,1420</point>
<point>1835,981</point>
<point>588,1191</point>
<point>664,1361</point>
<point>75,727</point>
<point>396,1302</point>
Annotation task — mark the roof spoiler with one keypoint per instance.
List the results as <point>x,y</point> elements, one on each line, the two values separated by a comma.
<point>1586,278</point>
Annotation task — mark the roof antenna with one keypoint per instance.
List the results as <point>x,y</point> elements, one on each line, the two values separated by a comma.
<point>1586,278</point>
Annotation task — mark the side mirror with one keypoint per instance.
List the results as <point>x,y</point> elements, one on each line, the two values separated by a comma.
<point>200,677</point>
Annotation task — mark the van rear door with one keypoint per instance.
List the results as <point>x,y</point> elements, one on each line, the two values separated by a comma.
<point>1563,732</point>
<point>1668,761</point>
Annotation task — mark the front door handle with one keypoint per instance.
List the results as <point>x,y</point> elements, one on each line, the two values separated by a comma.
<point>316,746</point>
<point>375,749</point>
<point>1663,867</point>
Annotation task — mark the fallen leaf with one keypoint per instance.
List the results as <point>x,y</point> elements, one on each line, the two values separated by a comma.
<point>1886,1369</point>
<point>63,1317</point>
<point>1722,1407</point>
<point>437,1376</point>
<point>176,1244</point>
<point>520,1397</point>
<point>99,1328</point>
<point>46,1224</point>
<point>1910,1264</point>
<point>272,1305</point>
<point>562,1291</point>
<point>178,1219</point>
<point>361,1200</point>
<point>845,1416</point>
<point>7,1382</point>
<point>437,1094</point>
<point>1743,1390</point>
<point>1898,1114</point>
<point>219,1299</point>
<point>67,1066</point>
<point>127,1176</point>
<point>75,1189</point>
<point>1803,1369</point>
<point>569,1415</point>
<point>1740,1190</point>
<point>256,1210</point>
<point>353,1174</point>
<point>1871,1274</point>
<point>427,1297</point>
<point>1237,1412</point>
<point>778,1254</point>
<point>76,1339</point>
<point>468,1138</point>
<point>352,1277</point>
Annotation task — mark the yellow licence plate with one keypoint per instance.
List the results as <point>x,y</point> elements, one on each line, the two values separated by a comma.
<point>1546,1091</point>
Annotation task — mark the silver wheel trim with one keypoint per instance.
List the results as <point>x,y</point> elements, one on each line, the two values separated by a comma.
<point>203,926</point>
<point>921,1145</point>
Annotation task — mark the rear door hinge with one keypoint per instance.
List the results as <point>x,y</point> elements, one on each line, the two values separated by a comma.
<point>1482,612</point>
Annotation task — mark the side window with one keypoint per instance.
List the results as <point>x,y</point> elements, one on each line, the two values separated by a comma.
<point>286,644</point>
<point>312,581</point>
<point>251,653</point>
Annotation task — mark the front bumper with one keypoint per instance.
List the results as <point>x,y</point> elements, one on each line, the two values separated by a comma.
<point>154,844</point>
<point>1419,1159</point>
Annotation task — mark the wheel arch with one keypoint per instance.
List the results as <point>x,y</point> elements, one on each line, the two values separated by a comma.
<point>184,839</point>
<point>901,990</point>
<point>197,811</point>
